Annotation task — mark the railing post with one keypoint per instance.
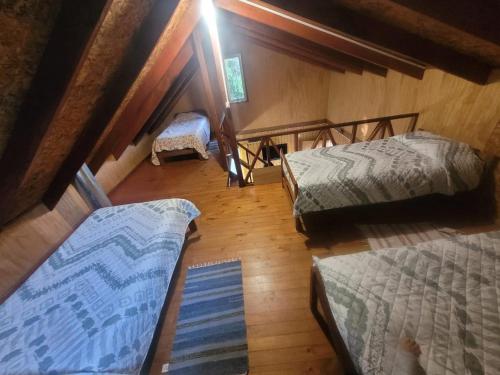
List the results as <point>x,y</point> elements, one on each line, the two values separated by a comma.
<point>229,133</point>
<point>353,134</point>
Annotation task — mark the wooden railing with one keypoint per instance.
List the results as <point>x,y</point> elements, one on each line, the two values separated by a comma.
<point>230,148</point>
<point>326,131</point>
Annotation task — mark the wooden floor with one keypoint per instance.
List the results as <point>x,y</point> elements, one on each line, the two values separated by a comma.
<point>254,224</point>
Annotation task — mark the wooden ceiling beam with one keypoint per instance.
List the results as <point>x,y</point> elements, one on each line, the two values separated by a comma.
<point>133,116</point>
<point>288,43</point>
<point>478,17</point>
<point>215,104</point>
<point>68,46</point>
<point>171,98</point>
<point>300,55</point>
<point>137,54</point>
<point>371,29</point>
<point>307,29</point>
<point>138,115</point>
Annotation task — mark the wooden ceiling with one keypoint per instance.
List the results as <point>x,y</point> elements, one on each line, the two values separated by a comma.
<point>404,35</point>
<point>109,67</point>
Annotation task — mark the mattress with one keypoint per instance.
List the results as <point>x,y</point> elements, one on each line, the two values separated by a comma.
<point>94,304</point>
<point>187,130</point>
<point>392,169</point>
<point>445,294</point>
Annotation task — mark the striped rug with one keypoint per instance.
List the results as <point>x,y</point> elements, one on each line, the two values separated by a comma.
<point>210,335</point>
<point>381,236</point>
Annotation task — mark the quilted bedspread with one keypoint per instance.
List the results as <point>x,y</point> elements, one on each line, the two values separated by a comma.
<point>445,294</point>
<point>187,130</point>
<point>397,168</point>
<point>94,304</point>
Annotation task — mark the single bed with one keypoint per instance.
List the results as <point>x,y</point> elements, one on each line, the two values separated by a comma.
<point>444,294</point>
<point>189,132</point>
<point>393,169</point>
<point>96,304</point>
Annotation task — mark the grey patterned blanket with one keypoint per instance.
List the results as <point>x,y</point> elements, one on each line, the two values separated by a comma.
<point>94,304</point>
<point>397,168</point>
<point>445,294</point>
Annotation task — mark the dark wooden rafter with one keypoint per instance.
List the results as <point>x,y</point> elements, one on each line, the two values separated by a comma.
<point>230,145</point>
<point>171,98</point>
<point>320,34</point>
<point>372,29</point>
<point>122,134</point>
<point>295,46</point>
<point>215,106</point>
<point>137,54</point>
<point>68,46</point>
<point>479,17</point>
<point>153,91</point>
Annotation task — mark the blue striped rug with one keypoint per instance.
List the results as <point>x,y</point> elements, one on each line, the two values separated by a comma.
<point>211,334</point>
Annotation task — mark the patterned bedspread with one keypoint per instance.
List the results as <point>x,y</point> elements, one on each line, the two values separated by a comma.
<point>187,130</point>
<point>445,294</point>
<point>93,306</point>
<point>397,168</point>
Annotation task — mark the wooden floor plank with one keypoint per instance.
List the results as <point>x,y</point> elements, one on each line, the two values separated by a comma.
<point>256,225</point>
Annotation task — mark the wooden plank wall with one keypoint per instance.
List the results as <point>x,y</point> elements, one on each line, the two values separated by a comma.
<point>280,89</point>
<point>28,240</point>
<point>448,105</point>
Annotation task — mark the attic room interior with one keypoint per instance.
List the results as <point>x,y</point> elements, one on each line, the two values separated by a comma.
<point>250,187</point>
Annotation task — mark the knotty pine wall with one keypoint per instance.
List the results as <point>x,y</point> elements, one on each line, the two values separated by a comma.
<point>448,105</point>
<point>280,89</point>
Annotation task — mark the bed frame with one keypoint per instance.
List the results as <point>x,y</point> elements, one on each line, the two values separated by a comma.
<point>148,361</point>
<point>163,155</point>
<point>383,126</point>
<point>327,321</point>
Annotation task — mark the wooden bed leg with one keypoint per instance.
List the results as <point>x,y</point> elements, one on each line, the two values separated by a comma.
<point>298,224</point>
<point>192,226</point>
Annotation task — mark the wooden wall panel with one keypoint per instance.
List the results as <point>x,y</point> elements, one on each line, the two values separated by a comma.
<point>114,171</point>
<point>280,89</point>
<point>448,105</point>
<point>28,240</point>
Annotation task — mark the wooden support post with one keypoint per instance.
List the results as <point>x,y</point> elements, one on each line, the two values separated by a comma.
<point>390,129</point>
<point>228,129</point>
<point>353,134</point>
<point>209,95</point>
<point>296,142</point>
<point>413,123</point>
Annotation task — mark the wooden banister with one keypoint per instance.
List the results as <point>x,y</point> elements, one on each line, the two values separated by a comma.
<point>325,131</point>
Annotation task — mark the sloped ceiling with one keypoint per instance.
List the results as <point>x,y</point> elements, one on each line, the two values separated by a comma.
<point>112,25</point>
<point>26,26</point>
<point>461,37</point>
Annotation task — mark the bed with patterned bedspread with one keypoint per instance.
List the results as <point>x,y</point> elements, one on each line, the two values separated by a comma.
<point>445,294</point>
<point>386,170</point>
<point>188,130</point>
<point>94,304</point>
